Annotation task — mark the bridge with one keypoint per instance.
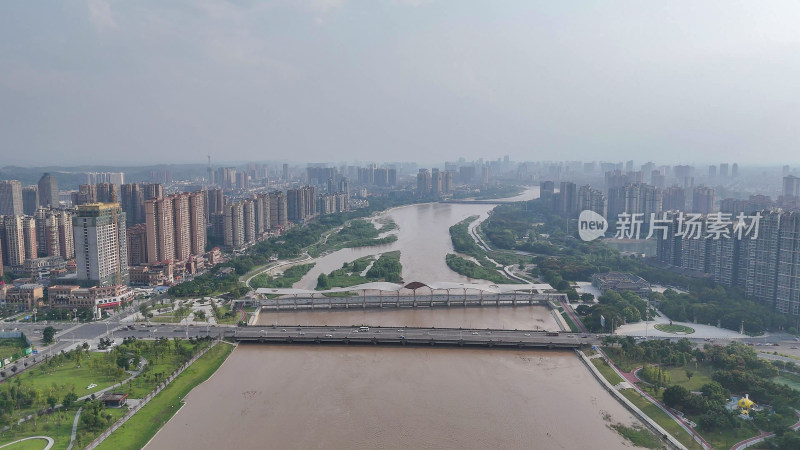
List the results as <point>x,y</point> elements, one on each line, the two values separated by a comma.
<point>481,202</point>
<point>391,295</point>
<point>317,335</point>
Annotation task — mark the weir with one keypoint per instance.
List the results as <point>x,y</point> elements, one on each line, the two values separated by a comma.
<point>411,295</point>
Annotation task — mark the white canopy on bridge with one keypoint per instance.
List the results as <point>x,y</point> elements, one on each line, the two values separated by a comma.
<point>413,286</point>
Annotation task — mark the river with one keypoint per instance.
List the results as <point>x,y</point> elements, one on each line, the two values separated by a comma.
<point>341,397</point>
<point>423,238</point>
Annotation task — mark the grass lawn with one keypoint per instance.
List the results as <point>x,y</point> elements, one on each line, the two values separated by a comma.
<point>68,375</point>
<point>677,375</point>
<point>661,418</point>
<point>570,323</point>
<point>674,329</point>
<point>623,364</point>
<point>60,429</point>
<point>167,318</point>
<point>788,379</point>
<point>84,437</point>
<point>145,383</point>
<point>137,431</point>
<point>12,346</point>
<point>638,435</point>
<point>32,444</point>
<point>229,320</point>
<point>607,372</point>
<point>726,438</point>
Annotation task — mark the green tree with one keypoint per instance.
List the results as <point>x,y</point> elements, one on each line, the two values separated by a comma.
<point>69,399</point>
<point>322,281</point>
<point>48,334</point>
<point>675,395</point>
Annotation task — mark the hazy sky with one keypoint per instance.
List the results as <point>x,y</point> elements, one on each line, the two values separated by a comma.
<point>333,80</point>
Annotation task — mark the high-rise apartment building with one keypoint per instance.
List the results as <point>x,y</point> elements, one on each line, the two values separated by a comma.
<point>159,217</point>
<point>638,198</point>
<point>216,201</point>
<point>787,290</point>
<point>262,212</point>
<point>137,244</point>
<point>791,186</point>
<point>66,237</point>
<point>278,206</point>
<point>249,220</point>
<point>723,170</point>
<point>152,190</point>
<point>107,192</point>
<point>762,259</point>
<point>132,201</point>
<point>424,183</point>
<point>181,220</point>
<point>86,194</point>
<point>234,225</point>
<point>14,234</point>
<point>30,200</point>
<point>101,251</point>
<point>11,198</point>
<point>703,200</point>
<point>592,199</point>
<point>197,222</point>
<point>673,199</point>
<point>48,191</point>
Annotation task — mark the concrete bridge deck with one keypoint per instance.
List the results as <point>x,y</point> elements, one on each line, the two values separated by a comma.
<point>314,335</point>
<point>400,301</point>
<point>482,202</point>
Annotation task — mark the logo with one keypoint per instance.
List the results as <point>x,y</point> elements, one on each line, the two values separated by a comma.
<point>591,225</point>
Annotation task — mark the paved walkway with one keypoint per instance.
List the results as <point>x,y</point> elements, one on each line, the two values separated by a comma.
<point>75,428</point>
<point>573,316</point>
<point>764,435</point>
<point>49,440</point>
<point>631,378</point>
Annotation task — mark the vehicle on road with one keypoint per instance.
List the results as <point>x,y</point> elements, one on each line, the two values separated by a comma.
<point>328,335</point>
<point>474,333</point>
<point>363,328</point>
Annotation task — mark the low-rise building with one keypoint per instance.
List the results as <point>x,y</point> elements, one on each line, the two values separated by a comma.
<point>43,267</point>
<point>73,296</point>
<point>25,296</point>
<point>213,257</point>
<point>618,281</point>
<point>152,275</point>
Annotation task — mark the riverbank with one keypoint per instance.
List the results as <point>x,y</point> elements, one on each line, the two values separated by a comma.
<point>142,426</point>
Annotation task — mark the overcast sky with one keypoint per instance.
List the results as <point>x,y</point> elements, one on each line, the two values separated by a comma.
<point>387,80</point>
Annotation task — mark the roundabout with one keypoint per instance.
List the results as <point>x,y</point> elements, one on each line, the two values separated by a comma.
<point>674,329</point>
